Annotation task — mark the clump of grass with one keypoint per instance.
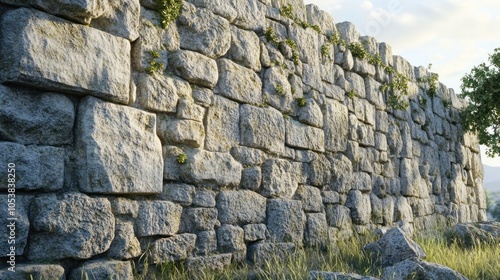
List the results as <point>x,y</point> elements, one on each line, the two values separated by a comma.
<point>479,261</point>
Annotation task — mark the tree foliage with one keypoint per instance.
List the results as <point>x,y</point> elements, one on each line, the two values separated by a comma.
<point>482,116</point>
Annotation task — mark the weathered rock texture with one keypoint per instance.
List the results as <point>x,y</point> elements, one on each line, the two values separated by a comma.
<point>188,143</point>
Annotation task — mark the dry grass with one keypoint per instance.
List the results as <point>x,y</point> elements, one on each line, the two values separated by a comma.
<point>477,262</point>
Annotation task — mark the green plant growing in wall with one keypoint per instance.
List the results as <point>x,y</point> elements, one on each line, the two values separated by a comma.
<point>301,101</point>
<point>325,50</point>
<point>182,159</point>
<point>168,10</point>
<point>279,89</point>
<point>154,66</point>
<point>351,94</point>
<point>317,28</point>
<point>357,50</point>
<point>271,36</point>
<point>287,11</point>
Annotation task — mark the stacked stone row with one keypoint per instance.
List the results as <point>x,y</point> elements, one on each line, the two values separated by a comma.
<point>99,104</point>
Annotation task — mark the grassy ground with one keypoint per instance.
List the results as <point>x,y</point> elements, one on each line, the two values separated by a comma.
<point>477,262</point>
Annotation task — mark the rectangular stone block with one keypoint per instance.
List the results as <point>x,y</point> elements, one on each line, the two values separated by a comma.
<point>158,218</point>
<point>262,128</point>
<point>238,83</point>
<point>36,167</point>
<point>241,207</point>
<point>336,127</point>
<point>117,149</point>
<point>44,51</point>
<point>299,135</point>
<point>223,131</point>
<point>30,117</point>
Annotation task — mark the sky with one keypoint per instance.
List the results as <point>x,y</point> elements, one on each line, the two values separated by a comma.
<point>452,35</point>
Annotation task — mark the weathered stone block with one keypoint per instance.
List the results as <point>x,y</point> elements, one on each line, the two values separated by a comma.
<point>158,218</point>
<point>198,29</point>
<point>104,152</point>
<point>250,14</point>
<point>311,114</point>
<point>188,110</point>
<point>241,207</point>
<point>285,220</point>
<point>60,223</point>
<point>21,228</point>
<point>251,178</point>
<point>204,198</point>
<point>279,178</point>
<point>160,93</point>
<point>316,230</point>
<point>125,245</point>
<point>222,123</point>
<point>245,48</point>
<point>101,269</point>
<point>248,156</point>
<point>179,193</point>
<point>211,169</point>
<point>310,197</point>
<point>238,83</point>
<point>338,216</point>
<point>206,243</point>
<point>198,219</point>
<point>36,167</point>
<point>319,171</point>
<point>230,239</point>
<point>124,207</point>
<point>255,232</point>
<point>175,248</point>
<point>336,126</point>
<point>218,7</point>
<point>120,19</point>
<point>183,132</point>
<point>34,271</point>
<point>303,136</point>
<point>194,68</point>
<point>30,117</point>
<point>51,53</point>
<point>360,207</point>
<point>262,128</point>
<point>79,11</point>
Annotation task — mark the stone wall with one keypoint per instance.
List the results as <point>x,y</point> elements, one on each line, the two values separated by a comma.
<point>205,142</point>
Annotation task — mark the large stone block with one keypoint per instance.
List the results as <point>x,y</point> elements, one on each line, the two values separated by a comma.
<point>206,243</point>
<point>202,31</point>
<point>102,269</point>
<point>15,208</point>
<point>29,117</point>
<point>125,245</point>
<point>214,262</point>
<point>105,153</point>
<point>241,207</point>
<point>223,131</point>
<point>120,19</point>
<point>219,7</point>
<point>360,207</point>
<point>245,48</point>
<point>44,51</point>
<point>71,226</point>
<point>305,137</point>
<point>250,14</point>
<point>34,271</point>
<point>279,178</point>
<point>310,197</point>
<point>338,216</point>
<point>336,126</point>
<point>230,239</point>
<point>238,83</point>
<point>211,169</point>
<point>285,220</point>
<point>198,219</point>
<point>194,68</point>
<point>158,218</point>
<point>161,93</point>
<point>36,167</point>
<point>316,230</point>
<point>81,11</point>
<point>182,132</point>
<point>262,128</point>
<point>175,248</point>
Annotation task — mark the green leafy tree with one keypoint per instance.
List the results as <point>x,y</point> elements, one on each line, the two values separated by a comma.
<point>482,116</point>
